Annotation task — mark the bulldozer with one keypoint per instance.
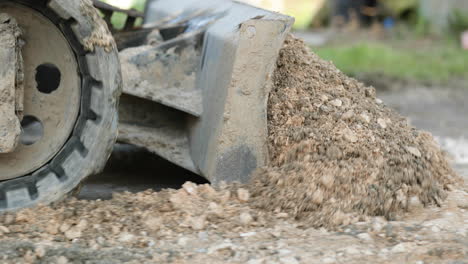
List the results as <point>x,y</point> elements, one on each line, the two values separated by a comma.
<point>190,84</point>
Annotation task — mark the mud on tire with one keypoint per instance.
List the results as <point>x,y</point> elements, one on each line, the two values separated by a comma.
<point>95,131</point>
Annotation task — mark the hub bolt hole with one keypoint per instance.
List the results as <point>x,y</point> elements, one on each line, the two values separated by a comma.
<point>48,78</point>
<point>32,130</point>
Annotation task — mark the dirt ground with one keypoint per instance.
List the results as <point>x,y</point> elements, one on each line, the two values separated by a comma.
<point>141,229</point>
<point>198,224</point>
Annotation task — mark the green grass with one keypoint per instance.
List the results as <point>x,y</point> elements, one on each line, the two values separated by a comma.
<point>438,64</point>
<point>118,20</point>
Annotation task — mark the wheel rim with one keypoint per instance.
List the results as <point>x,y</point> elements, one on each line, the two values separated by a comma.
<point>52,93</point>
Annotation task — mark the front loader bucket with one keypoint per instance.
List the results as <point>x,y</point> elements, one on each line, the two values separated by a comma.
<point>196,91</point>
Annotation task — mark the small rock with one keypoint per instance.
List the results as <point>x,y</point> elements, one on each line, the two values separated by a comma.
<point>340,218</point>
<point>248,234</point>
<point>222,246</point>
<point>365,237</point>
<point>197,223</point>
<point>336,102</point>
<point>382,123</point>
<point>93,245</point>
<point>52,228</point>
<point>370,92</point>
<point>384,251</point>
<point>352,251</point>
<point>378,224</point>
<point>225,196</point>
<point>215,209</point>
<point>414,151</point>
<point>365,118</point>
<point>73,233</point>
<point>183,241</point>
<point>61,260</point>
<point>283,252</point>
<point>349,135</point>
<point>401,248</point>
<point>201,250</point>
<point>377,227</point>
<point>317,197</point>
<point>328,260</point>
<point>22,217</point>
<point>207,191</point>
<point>4,230</point>
<point>435,229</point>
<point>282,215</point>
<point>29,257</point>
<point>288,260</point>
<point>115,229</point>
<point>190,188</point>
<point>245,218</point>
<point>153,223</point>
<point>40,252</point>
<point>243,195</point>
<point>414,203</point>
<point>65,227</point>
<point>327,180</point>
<point>348,115</point>
<point>378,101</point>
<point>9,219</point>
<point>202,235</point>
<point>100,240</point>
<point>82,225</point>
<point>126,237</point>
<point>256,261</point>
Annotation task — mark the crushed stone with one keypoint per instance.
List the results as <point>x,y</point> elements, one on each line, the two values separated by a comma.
<point>337,153</point>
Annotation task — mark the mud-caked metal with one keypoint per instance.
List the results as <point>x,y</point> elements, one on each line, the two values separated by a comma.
<point>211,72</point>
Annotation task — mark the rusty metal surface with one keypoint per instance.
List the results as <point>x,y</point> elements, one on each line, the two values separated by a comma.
<point>11,88</point>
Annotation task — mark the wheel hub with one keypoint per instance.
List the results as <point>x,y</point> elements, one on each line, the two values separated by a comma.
<point>52,93</point>
<point>11,83</point>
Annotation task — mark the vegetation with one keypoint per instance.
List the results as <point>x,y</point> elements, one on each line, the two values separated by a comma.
<point>458,22</point>
<point>118,20</point>
<point>440,63</point>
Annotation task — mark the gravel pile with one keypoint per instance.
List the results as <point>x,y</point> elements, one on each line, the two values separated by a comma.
<point>338,153</point>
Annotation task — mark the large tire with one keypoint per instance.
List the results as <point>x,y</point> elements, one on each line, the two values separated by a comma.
<point>91,142</point>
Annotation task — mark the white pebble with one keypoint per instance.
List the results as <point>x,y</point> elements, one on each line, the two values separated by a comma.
<point>336,102</point>
<point>289,260</point>
<point>382,123</point>
<point>365,237</point>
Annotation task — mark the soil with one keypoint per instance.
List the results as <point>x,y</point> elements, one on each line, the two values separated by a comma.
<point>348,183</point>
<point>339,154</point>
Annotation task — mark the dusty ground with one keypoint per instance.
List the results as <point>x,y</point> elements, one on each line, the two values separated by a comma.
<point>166,228</point>
<point>197,224</point>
